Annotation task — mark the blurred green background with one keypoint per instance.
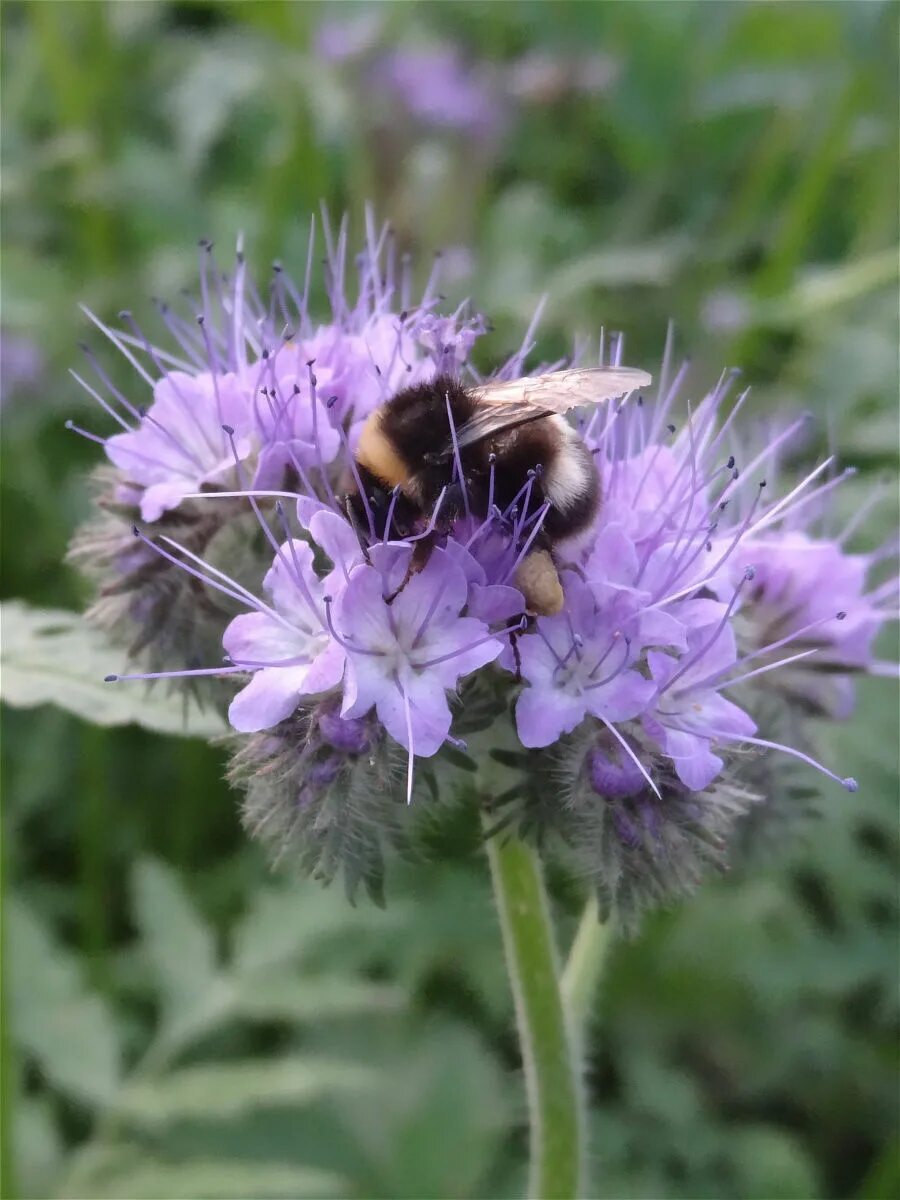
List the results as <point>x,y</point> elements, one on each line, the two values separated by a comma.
<point>180,1021</point>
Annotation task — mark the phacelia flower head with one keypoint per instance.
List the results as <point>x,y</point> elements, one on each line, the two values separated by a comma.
<point>385,630</point>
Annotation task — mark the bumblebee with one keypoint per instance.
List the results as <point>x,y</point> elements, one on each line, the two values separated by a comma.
<point>447,448</point>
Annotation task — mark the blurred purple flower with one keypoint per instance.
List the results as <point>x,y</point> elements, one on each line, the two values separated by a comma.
<point>436,87</point>
<point>21,364</point>
<point>342,39</point>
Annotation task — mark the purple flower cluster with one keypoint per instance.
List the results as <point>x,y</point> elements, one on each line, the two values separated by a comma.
<point>695,587</point>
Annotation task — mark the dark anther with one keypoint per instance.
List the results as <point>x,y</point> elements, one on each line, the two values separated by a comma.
<point>110,678</point>
<point>841,616</point>
<point>135,531</point>
<point>229,429</point>
<point>762,484</point>
<point>124,314</point>
<point>671,428</point>
<point>730,462</point>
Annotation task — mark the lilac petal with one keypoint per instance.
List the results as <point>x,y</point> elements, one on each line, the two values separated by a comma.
<point>336,537</point>
<point>439,580</point>
<point>391,560</point>
<point>257,637</point>
<point>361,615</point>
<point>613,556</point>
<point>724,716</point>
<point>695,763</point>
<point>429,714</point>
<point>326,671</point>
<point>657,628</point>
<point>662,667</point>
<point>495,602</point>
<point>159,498</point>
<point>538,662</point>
<point>622,698</point>
<point>307,507</point>
<point>270,696</point>
<point>468,564</point>
<point>462,647</point>
<point>281,583</point>
<point>542,717</point>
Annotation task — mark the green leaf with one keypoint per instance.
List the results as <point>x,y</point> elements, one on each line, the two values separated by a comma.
<point>284,923</point>
<point>38,1147</point>
<point>50,656</point>
<point>439,1124</point>
<point>219,1179</point>
<point>771,1163</point>
<point>285,998</point>
<point>226,1090</point>
<point>178,943</point>
<point>68,1031</point>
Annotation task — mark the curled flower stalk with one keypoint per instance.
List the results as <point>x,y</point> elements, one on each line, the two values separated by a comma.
<point>378,652</point>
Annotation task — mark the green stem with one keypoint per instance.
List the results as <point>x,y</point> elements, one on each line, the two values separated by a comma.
<point>581,976</point>
<point>551,1071</point>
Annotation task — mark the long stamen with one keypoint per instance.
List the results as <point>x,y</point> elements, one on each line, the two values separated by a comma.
<point>343,642</point>
<point>456,456</point>
<point>516,627</point>
<point>631,754</point>
<point>848,782</point>
<point>85,433</point>
<point>173,674</point>
<point>711,641</point>
<point>409,737</point>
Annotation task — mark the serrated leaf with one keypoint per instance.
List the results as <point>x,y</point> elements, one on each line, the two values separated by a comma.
<point>219,1179</point>
<point>38,1146</point>
<point>50,656</point>
<point>284,923</point>
<point>178,943</point>
<point>273,998</point>
<point>68,1031</point>
<point>225,1090</point>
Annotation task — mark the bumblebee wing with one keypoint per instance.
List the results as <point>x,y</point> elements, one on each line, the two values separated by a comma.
<point>558,391</point>
<point>491,418</point>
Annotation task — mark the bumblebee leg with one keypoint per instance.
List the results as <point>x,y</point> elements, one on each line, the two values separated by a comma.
<point>353,518</point>
<point>517,657</point>
<point>417,560</point>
